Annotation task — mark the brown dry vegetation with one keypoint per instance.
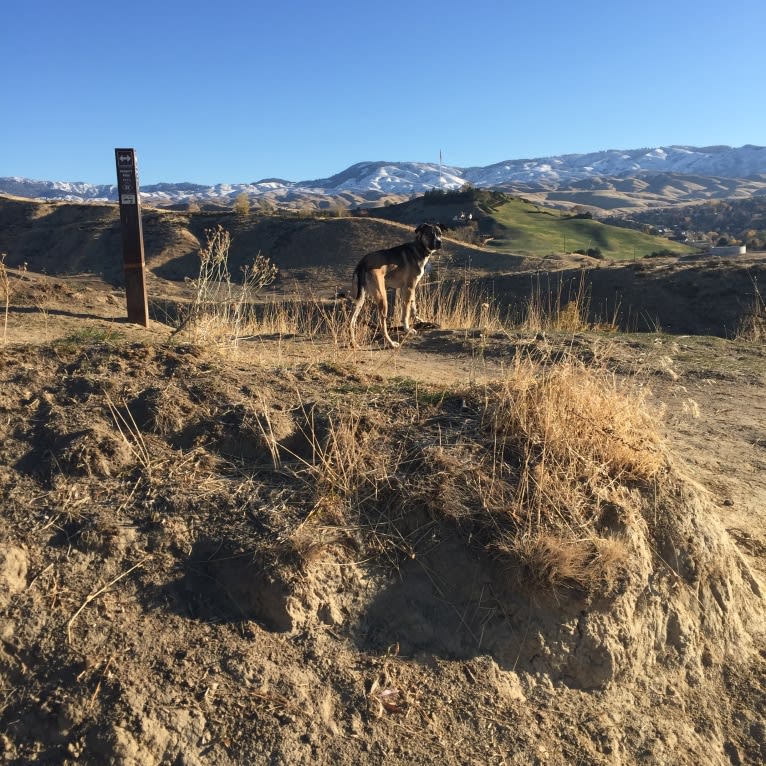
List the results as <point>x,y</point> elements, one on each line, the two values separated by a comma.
<point>493,545</point>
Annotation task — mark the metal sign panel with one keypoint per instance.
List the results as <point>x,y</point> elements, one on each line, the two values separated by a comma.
<point>132,236</point>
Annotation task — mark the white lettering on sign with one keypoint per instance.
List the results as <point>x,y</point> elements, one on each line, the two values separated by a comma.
<point>128,199</point>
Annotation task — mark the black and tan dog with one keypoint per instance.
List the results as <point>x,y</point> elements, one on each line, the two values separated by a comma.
<point>400,267</point>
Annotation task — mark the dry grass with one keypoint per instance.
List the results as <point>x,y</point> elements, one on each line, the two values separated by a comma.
<point>552,307</point>
<point>312,318</point>
<point>569,416</point>
<point>570,444</point>
<point>5,284</point>
<point>544,471</point>
<point>552,561</point>
<point>221,307</point>
<point>458,305</point>
<point>752,326</point>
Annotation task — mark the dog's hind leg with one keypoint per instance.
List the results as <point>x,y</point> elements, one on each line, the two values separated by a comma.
<point>358,303</point>
<point>360,277</point>
<point>416,318</point>
<point>378,293</point>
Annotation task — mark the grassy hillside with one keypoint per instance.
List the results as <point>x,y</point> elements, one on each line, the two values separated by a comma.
<point>513,225</point>
<point>527,228</point>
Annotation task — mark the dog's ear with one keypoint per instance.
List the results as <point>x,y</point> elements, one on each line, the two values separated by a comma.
<point>420,228</point>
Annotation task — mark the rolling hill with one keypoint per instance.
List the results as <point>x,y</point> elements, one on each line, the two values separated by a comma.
<point>61,238</point>
<point>507,224</point>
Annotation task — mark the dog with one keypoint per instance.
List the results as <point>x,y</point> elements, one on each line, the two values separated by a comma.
<point>400,267</point>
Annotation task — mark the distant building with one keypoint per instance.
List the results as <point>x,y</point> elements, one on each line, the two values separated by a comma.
<point>729,250</point>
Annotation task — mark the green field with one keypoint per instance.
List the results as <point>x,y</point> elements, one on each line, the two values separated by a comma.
<point>522,227</point>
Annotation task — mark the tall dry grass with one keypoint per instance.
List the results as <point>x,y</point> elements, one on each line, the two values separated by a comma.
<point>570,442</point>
<point>221,307</point>
<point>458,305</point>
<point>752,325</point>
<point>555,304</point>
<point>543,471</point>
<point>5,286</point>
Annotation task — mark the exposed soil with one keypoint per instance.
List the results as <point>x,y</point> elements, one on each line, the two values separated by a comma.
<point>173,591</point>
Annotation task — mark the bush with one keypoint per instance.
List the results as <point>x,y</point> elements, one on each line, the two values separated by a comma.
<point>593,252</point>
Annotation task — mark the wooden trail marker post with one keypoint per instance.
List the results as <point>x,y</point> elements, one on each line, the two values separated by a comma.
<point>132,236</point>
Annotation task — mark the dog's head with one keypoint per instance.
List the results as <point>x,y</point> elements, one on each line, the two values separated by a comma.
<point>429,235</point>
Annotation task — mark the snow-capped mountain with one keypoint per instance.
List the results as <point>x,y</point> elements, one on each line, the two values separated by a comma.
<point>374,180</point>
<point>720,161</point>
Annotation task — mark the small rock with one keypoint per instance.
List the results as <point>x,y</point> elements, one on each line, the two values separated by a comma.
<point>13,571</point>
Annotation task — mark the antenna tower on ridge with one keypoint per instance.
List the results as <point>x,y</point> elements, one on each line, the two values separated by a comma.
<point>441,175</point>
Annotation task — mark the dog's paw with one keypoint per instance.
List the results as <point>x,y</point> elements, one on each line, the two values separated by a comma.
<point>393,344</point>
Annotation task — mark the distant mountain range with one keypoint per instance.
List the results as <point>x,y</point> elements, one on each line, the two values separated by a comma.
<point>600,179</point>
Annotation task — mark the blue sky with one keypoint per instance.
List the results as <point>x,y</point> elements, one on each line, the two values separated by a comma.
<point>213,92</point>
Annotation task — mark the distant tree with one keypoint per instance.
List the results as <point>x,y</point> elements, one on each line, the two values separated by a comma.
<point>242,204</point>
<point>578,211</point>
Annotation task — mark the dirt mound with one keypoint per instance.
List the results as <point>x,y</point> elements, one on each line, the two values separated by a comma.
<point>221,562</point>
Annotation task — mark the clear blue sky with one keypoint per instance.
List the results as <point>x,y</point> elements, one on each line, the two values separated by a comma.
<point>238,91</point>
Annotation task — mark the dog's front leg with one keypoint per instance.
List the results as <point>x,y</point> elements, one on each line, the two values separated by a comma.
<point>408,307</point>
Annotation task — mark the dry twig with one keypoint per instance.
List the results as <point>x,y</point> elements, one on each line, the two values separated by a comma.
<point>93,596</point>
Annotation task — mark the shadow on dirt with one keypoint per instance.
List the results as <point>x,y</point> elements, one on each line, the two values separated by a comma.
<point>450,604</point>
<point>61,313</point>
<point>220,582</point>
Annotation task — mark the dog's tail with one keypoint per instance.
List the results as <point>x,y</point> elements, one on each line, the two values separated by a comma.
<point>360,277</point>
